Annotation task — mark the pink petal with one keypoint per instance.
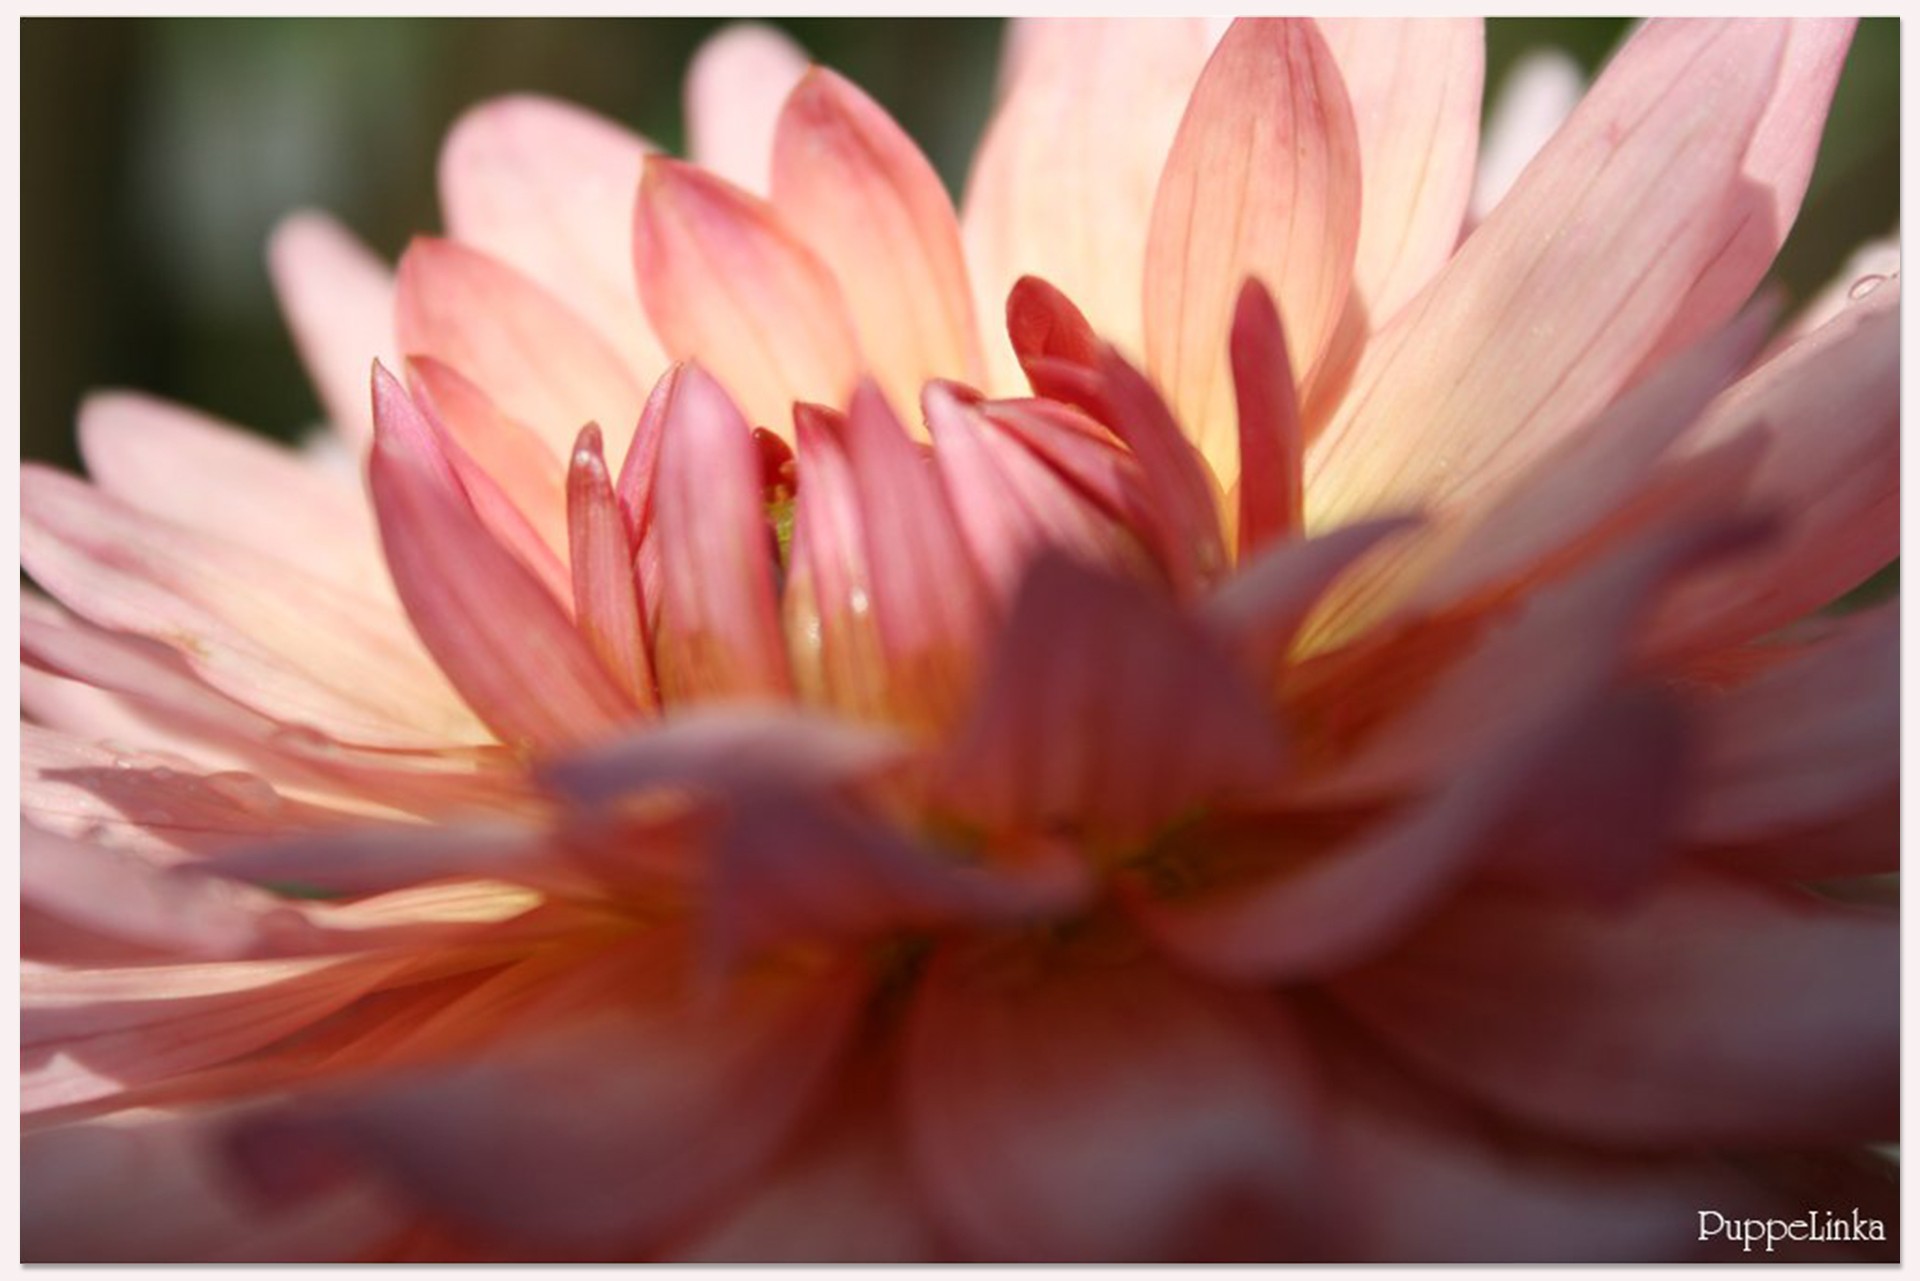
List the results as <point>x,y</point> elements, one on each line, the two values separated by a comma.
<point>1414,85</point>
<point>500,461</point>
<point>533,356</point>
<point>1009,503</point>
<point>906,589</point>
<point>603,585</point>
<point>1869,266</point>
<point>1624,209</point>
<point>1807,743</point>
<point>858,191</point>
<point>734,91</point>
<point>1063,182</point>
<point>503,641</point>
<point>87,1035</point>
<point>1264,181</point>
<point>1084,1103</point>
<point>1103,708</point>
<point>193,471</point>
<point>291,646</point>
<point>150,1187</point>
<point>339,301</point>
<point>638,470</point>
<point>618,1129</point>
<point>1270,437</point>
<point>1715,1012</point>
<point>719,635</point>
<point>726,283</point>
<point>1831,403</point>
<point>547,188</point>
<point>1775,171</point>
<point>725,749</point>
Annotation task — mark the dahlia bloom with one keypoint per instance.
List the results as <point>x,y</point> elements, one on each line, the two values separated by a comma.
<point>1314,739</point>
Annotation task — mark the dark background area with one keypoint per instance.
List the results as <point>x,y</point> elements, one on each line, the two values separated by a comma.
<point>156,155</point>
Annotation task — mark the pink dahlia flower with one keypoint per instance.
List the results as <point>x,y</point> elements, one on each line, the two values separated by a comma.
<point>1320,742</point>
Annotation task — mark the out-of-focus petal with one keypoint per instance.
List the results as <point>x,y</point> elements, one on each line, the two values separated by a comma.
<point>1263,180</point>
<point>1082,1101</point>
<point>726,283</point>
<point>617,1130</point>
<point>503,641</point>
<point>1714,1012</point>
<point>339,301</point>
<point>858,191</point>
<point>606,608</point>
<point>1540,91</point>
<point>548,188</point>
<point>1414,85</point>
<point>1832,407</point>
<point>1063,183</point>
<point>151,1187</point>
<point>529,352</point>
<point>719,634</point>
<point>1811,741</point>
<point>734,90</point>
<point>1074,722</point>
<point>1622,211</point>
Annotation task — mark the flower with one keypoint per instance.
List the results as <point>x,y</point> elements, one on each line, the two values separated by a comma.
<point>1316,746</point>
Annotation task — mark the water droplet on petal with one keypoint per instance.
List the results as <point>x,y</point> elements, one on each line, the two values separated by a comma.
<point>1865,285</point>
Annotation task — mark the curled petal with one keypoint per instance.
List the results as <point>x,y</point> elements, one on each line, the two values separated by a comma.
<point>604,599</point>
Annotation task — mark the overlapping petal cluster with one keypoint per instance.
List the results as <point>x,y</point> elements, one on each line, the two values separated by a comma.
<point>1311,740</point>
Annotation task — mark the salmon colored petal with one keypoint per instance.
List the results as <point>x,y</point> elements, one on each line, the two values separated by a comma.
<point>1009,503</point>
<point>1043,324</point>
<point>726,283</point>
<point>1081,452</point>
<point>547,188</point>
<point>618,1130</point>
<point>719,634</point>
<point>857,190</point>
<point>1075,720</point>
<point>1263,181</point>
<point>151,1187</point>
<point>514,478</point>
<point>1270,438</point>
<point>1809,742</point>
<point>292,646</point>
<point>1085,1103</point>
<point>735,88</point>
<point>1831,406</point>
<point>1714,1012</point>
<point>1414,85</point>
<point>604,599</point>
<point>529,352</point>
<point>1775,172</point>
<point>338,299</point>
<point>1623,210</point>
<point>1063,182</point>
<point>194,471</point>
<point>87,1035</point>
<point>1540,91</point>
<point>1586,803</point>
<point>503,641</point>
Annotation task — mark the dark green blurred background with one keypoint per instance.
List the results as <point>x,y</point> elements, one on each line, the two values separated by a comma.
<point>157,154</point>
